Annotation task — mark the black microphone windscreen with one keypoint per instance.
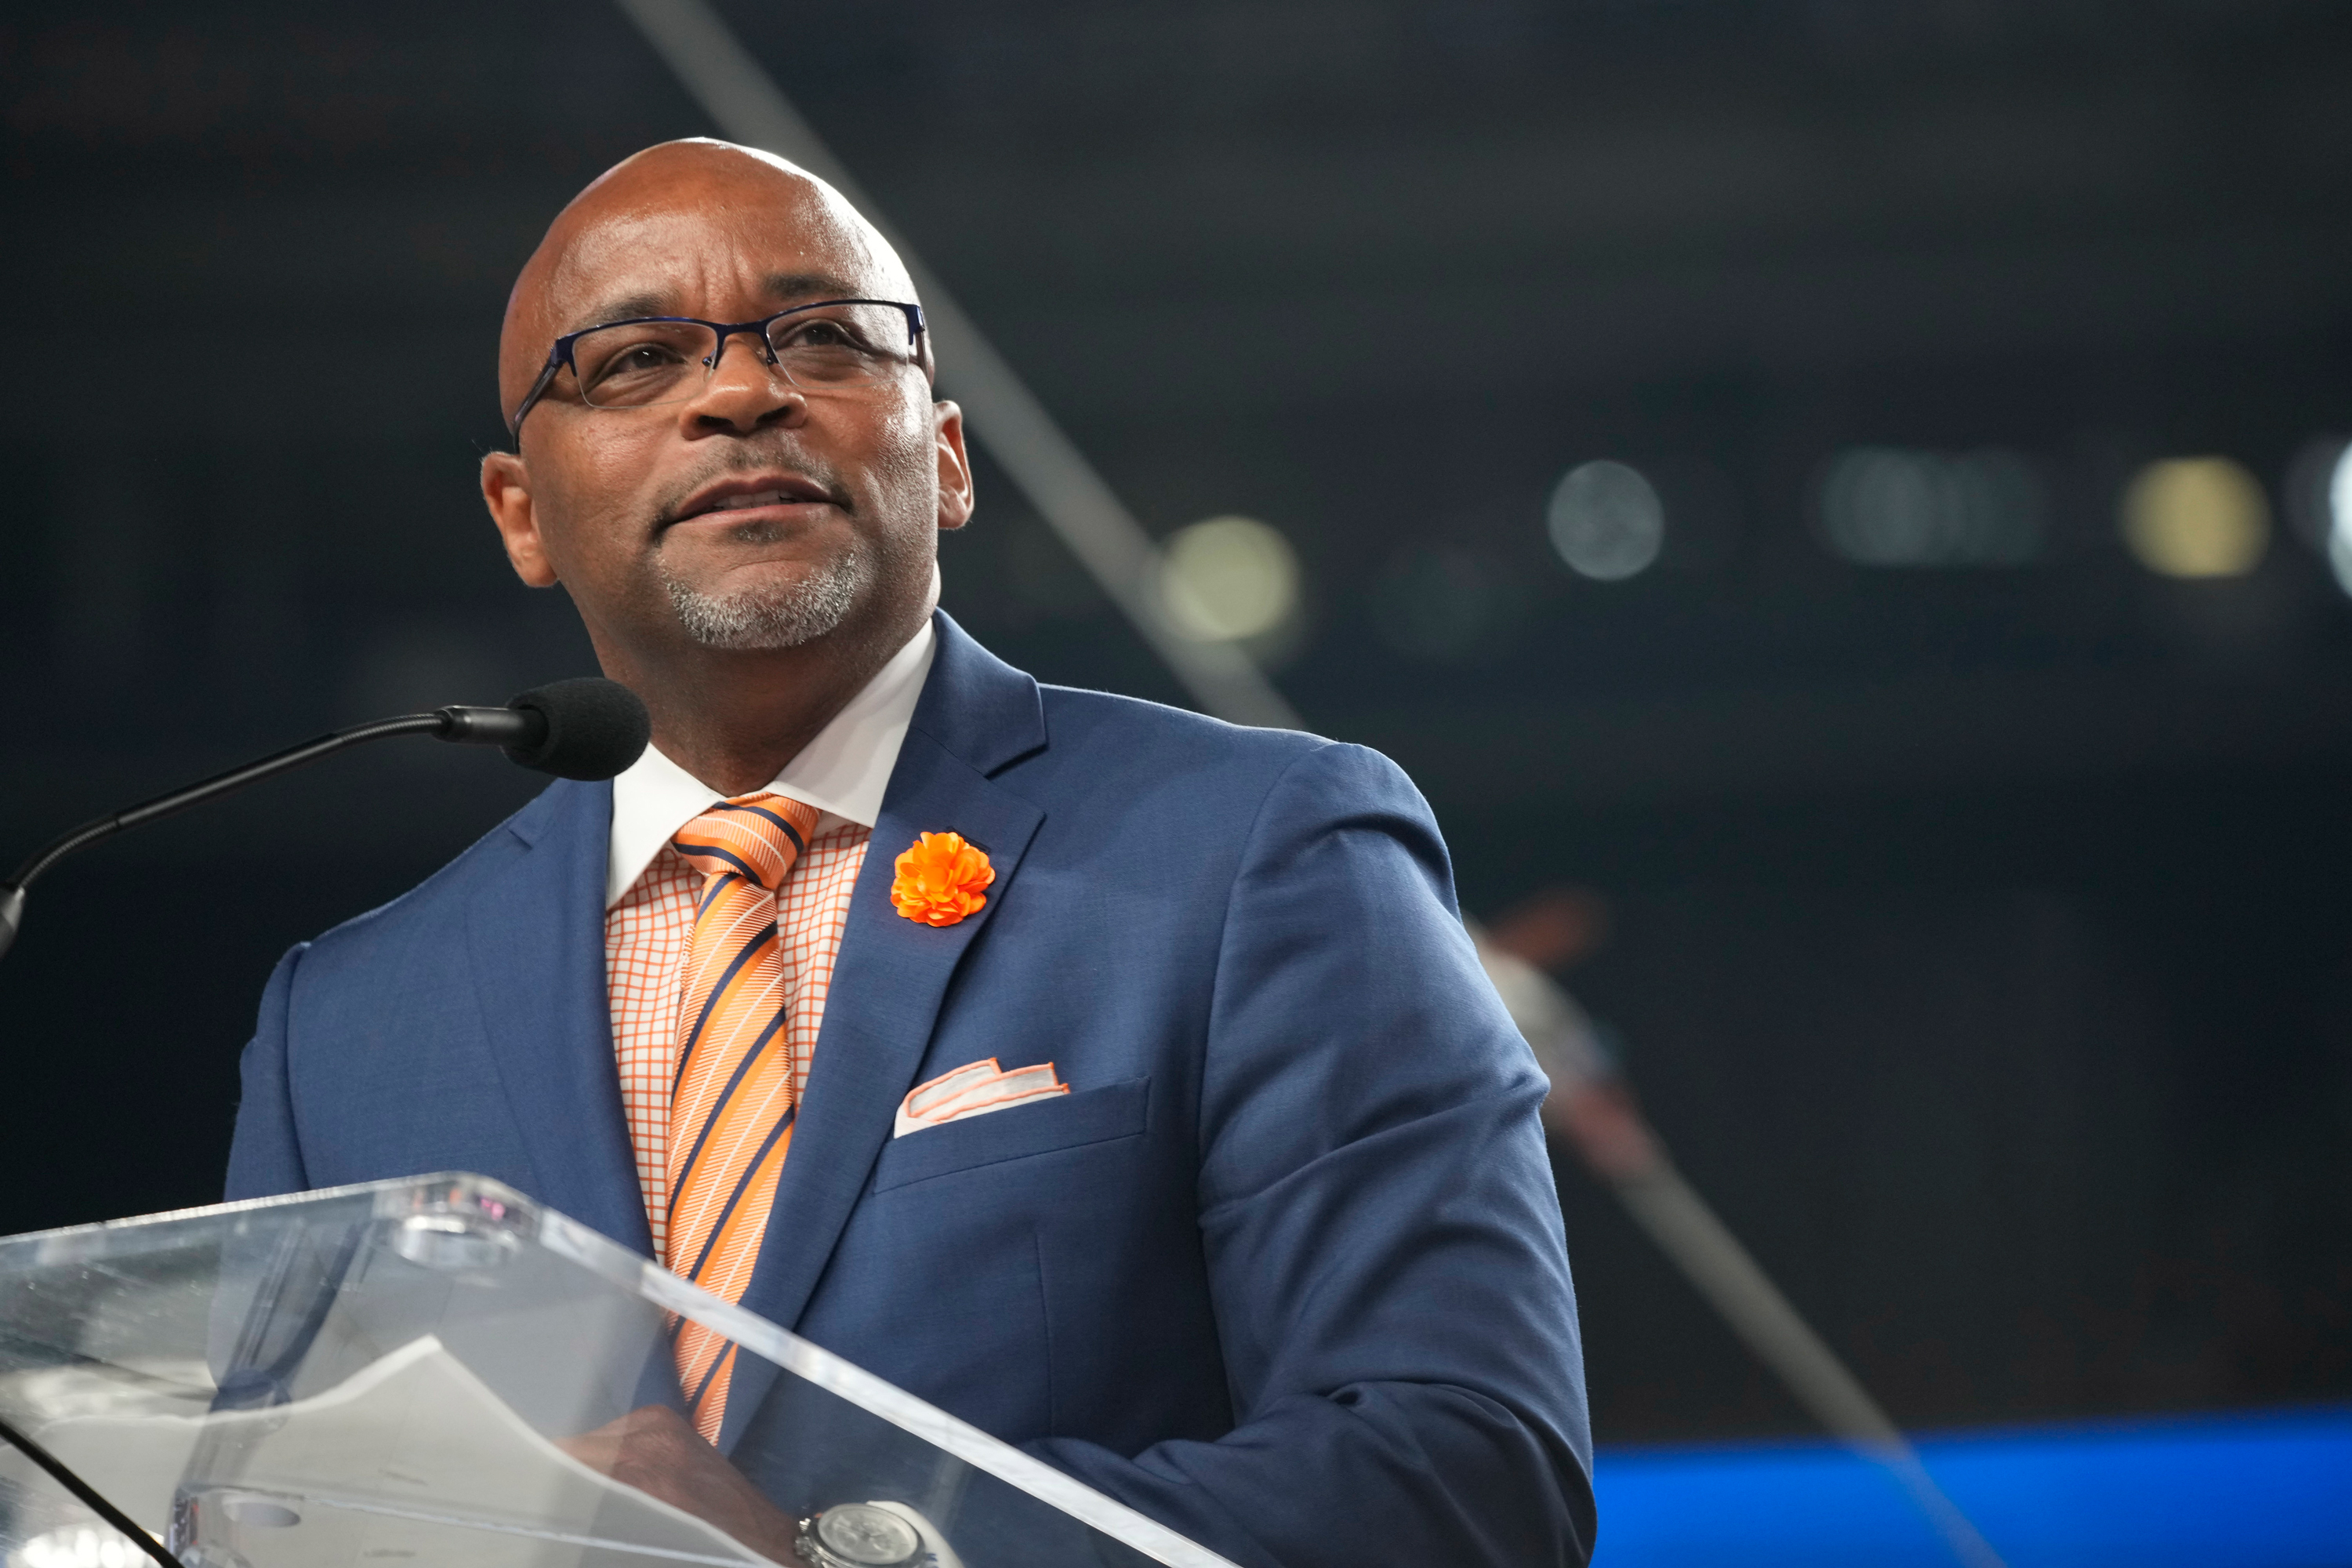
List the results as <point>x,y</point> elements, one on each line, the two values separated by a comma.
<point>595,728</point>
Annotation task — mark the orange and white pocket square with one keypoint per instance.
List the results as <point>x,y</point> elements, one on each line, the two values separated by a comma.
<point>974,1090</point>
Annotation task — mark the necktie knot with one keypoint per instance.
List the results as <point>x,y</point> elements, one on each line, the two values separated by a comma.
<point>755,836</point>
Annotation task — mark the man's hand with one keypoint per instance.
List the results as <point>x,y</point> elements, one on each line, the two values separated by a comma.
<point>654,1451</point>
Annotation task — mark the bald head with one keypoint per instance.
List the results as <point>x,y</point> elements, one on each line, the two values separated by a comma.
<point>659,226</point>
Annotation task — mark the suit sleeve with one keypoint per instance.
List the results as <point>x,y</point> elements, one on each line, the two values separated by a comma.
<point>1384,1241</point>
<point>264,1158</point>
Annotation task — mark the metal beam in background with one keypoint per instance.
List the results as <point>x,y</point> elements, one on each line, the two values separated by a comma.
<point>1592,1110</point>
<point>1665,1206</point>
<point>1005,417</point>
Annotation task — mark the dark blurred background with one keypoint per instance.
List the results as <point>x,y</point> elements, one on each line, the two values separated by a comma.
<point>1971,796</point>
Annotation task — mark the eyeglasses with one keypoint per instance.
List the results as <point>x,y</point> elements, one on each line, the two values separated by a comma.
<point>834,345</point>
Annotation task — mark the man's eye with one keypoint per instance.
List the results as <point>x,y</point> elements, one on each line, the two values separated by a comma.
<point>641,358</point>
<point>820,335</point>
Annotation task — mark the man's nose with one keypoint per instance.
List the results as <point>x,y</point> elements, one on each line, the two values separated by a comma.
<point>744,391</point>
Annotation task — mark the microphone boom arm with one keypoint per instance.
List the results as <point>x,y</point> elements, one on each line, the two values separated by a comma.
<point>469,726</point>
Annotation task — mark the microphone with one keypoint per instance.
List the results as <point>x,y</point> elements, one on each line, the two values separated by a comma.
<point>585,729</point>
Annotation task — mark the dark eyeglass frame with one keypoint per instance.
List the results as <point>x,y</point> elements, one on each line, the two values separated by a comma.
<point>559,357</point>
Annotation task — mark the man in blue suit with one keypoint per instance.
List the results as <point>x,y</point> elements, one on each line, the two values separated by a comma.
<point>1272,1255</point>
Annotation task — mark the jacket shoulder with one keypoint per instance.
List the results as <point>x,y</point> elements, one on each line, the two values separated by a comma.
<point>1093,722</point>
<point>1102,741</point>
<point>426,909</point>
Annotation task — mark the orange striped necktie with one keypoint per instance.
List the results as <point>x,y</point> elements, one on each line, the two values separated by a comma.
<point>731,1099</point>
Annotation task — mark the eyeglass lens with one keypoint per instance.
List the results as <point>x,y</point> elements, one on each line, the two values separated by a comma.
<point>829,347</point>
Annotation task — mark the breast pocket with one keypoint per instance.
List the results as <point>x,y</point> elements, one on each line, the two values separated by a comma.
<point>1067,1121</point>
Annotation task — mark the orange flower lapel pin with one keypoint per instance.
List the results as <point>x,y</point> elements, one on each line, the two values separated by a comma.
<point>941,878</point>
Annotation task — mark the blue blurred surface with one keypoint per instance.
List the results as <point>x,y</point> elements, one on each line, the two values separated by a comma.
<point>2272,1490</point>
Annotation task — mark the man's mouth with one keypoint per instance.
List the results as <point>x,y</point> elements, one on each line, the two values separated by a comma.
<point>770,492</point>
<point>760,498</point>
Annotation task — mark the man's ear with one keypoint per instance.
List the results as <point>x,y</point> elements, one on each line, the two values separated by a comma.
<point>956,499</point>
<point>506,491</point>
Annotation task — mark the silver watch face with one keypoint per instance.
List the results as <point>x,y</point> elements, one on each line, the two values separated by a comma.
<point>867,1536</point>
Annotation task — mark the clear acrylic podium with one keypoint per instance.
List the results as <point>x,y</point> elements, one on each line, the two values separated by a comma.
<point>385,1376</point>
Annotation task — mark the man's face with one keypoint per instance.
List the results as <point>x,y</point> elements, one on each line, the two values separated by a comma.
<point>751,514</point>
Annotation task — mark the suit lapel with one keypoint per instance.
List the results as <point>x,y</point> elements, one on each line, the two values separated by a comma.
<point>536,931</point>
<point>976,716</point>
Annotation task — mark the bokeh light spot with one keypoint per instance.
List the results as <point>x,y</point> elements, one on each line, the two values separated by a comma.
<point>1890,506</point>
<point>1606,521</point>
<point>1227,579</point>
<point>2339,518</point>
<point>2196,516</point>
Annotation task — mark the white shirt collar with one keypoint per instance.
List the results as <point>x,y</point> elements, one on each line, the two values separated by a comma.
<point>842,771</point>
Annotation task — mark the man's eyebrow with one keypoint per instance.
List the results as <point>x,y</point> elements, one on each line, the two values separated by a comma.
<point>809,285</point>
<point>627,308</point>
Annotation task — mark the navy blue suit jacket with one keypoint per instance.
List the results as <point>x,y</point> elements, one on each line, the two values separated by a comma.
<point>1285,1269</point>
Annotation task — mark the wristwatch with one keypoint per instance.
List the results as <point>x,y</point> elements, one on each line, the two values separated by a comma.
<point>857,1535</point>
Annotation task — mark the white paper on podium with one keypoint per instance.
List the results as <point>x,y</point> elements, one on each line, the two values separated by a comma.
<point>411,1462</point>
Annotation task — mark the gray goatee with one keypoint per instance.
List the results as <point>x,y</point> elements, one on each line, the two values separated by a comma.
<point>773,615</point>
